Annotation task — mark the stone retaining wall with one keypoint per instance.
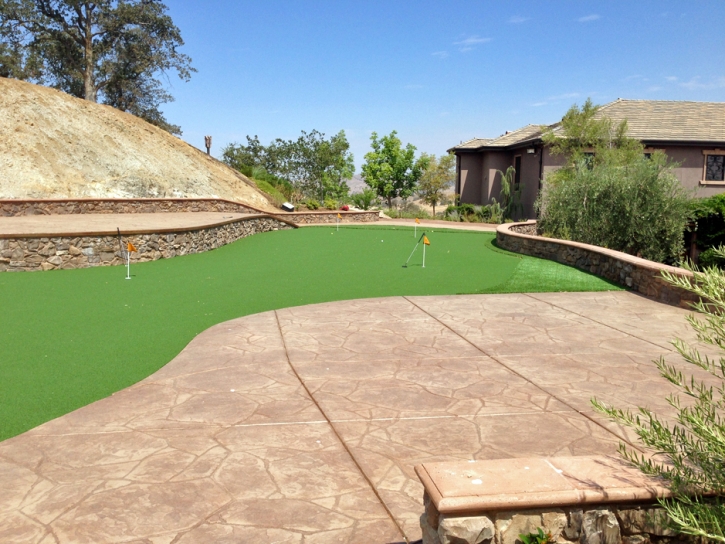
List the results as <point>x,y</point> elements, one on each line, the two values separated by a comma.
<point>306,218</point>
<point>604,524</point>
<point>637,274</point>
<point>48,253</point>
<point>12,208</point>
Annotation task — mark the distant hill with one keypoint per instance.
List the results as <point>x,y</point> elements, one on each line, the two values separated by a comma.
<point>53,145</point>
<point>356,184</point>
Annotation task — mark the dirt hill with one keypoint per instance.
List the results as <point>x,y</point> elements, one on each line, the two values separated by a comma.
<point>53,145</point>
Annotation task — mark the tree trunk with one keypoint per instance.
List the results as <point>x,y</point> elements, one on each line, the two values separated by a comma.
<point>390,202</point>
<point>434,210</point>
<point>89,85</point>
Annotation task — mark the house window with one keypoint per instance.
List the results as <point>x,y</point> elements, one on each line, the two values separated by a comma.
<point>714,167</point>
<point>589,160</point>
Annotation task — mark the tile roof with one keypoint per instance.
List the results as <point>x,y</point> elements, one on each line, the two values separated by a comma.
<point>647,120</point>
<point>669,120</point>
<point>473,143</point>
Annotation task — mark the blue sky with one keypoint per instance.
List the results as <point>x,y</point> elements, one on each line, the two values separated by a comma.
<point>437,72</point>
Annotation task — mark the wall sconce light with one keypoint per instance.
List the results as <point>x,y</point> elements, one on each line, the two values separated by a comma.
<point>531,151</point>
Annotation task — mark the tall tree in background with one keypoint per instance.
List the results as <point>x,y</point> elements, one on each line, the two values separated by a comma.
<point>585,135</point>
<point>317,167</point>
<point>107,50</point>
<point>438,177</point>
<point>391,170</point>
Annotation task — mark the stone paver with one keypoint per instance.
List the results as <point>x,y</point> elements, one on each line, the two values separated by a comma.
<point>103,224</point>
<point>303,425</point>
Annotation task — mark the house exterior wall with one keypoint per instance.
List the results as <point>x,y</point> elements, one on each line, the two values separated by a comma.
<point>492,162</point>
<point>690,171</point>
<point>481,184</point>
<point>469,177</point>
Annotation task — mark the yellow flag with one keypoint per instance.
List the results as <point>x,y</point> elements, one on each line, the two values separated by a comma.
<point>130,247</point>
<point>417,220</point>
<point>426,241</point>
<point>339,216</point>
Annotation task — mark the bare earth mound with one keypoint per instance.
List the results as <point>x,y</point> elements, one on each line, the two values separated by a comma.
<point>53,145</point>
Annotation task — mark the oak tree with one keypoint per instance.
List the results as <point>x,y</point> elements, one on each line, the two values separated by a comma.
<point>109,51</point>
<point>390,169</point>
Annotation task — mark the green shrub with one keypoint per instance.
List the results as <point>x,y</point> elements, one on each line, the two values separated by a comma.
<point>264,181</point>
<point>639,208</point>
<point>365,200</point>
<point>264,186</point>
<point>709,215</point>
<point>539,537</point>
<point>469,213</point>
<point>709,258</point>
<point>330,204</point>
<point>690,447</point>
<point>311,204</point>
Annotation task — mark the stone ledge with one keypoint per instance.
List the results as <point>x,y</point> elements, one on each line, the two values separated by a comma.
<point>83,251</point>
<point>635,273</point>
<point>585,500</point>
<point>464,486</point>
<point>70,206</point>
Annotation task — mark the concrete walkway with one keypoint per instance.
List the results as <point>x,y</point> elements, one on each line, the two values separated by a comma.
<point>107,223</point>
<point>304,424</point>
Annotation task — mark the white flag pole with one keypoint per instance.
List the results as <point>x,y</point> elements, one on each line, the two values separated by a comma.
<point>415,232</point>
<point>128,264</point>
<point>424,255</point>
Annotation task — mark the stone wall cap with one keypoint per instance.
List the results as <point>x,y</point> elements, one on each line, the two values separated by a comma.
<point>505,229</point>
<point>112,231</point>
<point>328,212</point>
<point>504,484</point>
<point>127,199</point>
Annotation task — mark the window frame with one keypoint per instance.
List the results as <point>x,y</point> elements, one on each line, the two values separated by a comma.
<point>706,153</point>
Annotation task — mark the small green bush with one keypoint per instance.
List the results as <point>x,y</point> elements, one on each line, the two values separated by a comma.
<point>539,537</point>
<point>311,204</point>
<point>469,213</point>
<point>330,204</point>
<point>640,207</point>
<point>709,215</point>
<point>365,200</point>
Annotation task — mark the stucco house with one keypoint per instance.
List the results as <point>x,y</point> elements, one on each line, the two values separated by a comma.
<point>691,133</point>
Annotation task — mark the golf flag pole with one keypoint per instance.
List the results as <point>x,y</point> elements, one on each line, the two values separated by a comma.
<point>426,242</point>
<point>416,247</point>
<point>415,229</point>
<point>338,220</point>
<point>129,248</point>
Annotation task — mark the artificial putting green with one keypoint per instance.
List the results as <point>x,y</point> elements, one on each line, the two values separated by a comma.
<point>70,337</point>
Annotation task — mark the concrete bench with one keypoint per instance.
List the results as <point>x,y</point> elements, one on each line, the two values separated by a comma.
<point>590,500</point>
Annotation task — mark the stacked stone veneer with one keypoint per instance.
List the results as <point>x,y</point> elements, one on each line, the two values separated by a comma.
<point>13,208</point>
<point>305,218</point>
<point>606,524</point>
<point>66,252</point>
<point>640,275</point>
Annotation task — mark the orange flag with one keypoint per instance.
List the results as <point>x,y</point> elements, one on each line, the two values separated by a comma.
<point>417,220</point>
<point>339,216</point>
<point>426,241</point>
<point>130,247</point>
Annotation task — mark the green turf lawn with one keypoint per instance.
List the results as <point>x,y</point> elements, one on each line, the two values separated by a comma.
<point>70,337</point>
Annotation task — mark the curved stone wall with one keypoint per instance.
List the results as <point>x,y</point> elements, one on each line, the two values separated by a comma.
<point>640,275</point>
<point>319,216</point>
<point>48,253</point>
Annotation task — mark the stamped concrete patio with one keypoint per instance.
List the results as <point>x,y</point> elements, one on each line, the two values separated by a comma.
<point>303,425</point>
